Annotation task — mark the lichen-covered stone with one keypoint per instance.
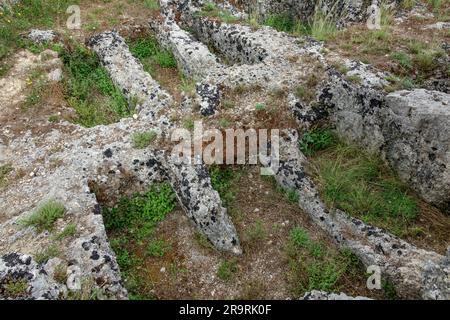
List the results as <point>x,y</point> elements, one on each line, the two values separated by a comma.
<point>416,273</point>
<point>321,295</point>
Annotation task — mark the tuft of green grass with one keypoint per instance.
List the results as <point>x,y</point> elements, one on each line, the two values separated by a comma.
<point>68,231</point>
<point>60,273</point>
<point>281,22</point>
<point>45,216</point>
<point>157,248</point>
<point>403,60</point>
<point>142,140</point>
<point>299,237</point>
<point>314,266</point>
<point>323,26</point>
<point>210,9</point>
<point>48,253</point>
<point>227,269</point>
<point>260,107</point>
<point>359,184</point>
<point>25,15</point>
<point>4,172</point>
<point>255,233</point>
<point>133,213</point>
<point>131,227</point>
<point>222,179</point>
<point>15,288</point>
<point>316,140</point>
<point>152,4</point>
<point>151,55</point>
<point>90,91</point>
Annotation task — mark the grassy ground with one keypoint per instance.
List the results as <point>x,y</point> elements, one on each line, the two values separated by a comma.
<point>89,90</point>
<point>131,225</point>
<point>361,185</point>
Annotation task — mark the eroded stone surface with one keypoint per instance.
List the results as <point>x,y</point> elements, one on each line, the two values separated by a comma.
<point>321,295</point>
<point>416,273</point>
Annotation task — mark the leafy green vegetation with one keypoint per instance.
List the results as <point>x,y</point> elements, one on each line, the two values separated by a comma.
<point>222,180</point>
<point>227,269</point>
<point>321,26</point>
<point>141,140</point>
<point>151,55</point>
<point>131,228</point>
<point>16,288</point>
<point>90,91</point>
<point>45,216</point>
<point>67,232</point>
<point>359,184</point>
<point>210,9</point>
<point>260,107</point>
<point>157,247</point>
<point>131,214</point>
<point>25,15</point>
<point>314,266</point>
<point>281,22</point>
<point>316,140</point>
<point>152,4</point>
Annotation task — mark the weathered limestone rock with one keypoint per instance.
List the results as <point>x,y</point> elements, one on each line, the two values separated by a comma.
<point>410,130</point>
<point>416,273</point>
<point>191,183</point>
<point>343,11</point>
<point>41,36</point>
<point>321,295</point>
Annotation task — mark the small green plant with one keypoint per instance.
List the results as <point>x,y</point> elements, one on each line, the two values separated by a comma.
<point>281,22</point>
<point>16,288</point>
<point>68,231</point>
<point>46,254</point>
<point>53,118</point>
<point>224,123</point>
<point>403,60</point>
<point>90,91</point>
<point>323,26</point>
<point>300,237</point>
<point>315,266</point>
<point>222,180</point>
<point>316,140</point>
<point>157,248</point>
<point>260,107</point>
<point>359,184</point>
<point>255,232</point>
<point>141,140</point>
<point>189,124</point>
<point>45,216</point>
<point>152,4</point>
<point>150,207</point>
<point>60,273</point>
<point>4,172</point>
<point>227,269</point>
<point>151,55</point>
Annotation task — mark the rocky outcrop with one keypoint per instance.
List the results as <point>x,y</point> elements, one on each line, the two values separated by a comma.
<point>41,36</point>
<point>408,129</point>
<point>342,12</point>
<point>321,295</point>
<point>416,273</point>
